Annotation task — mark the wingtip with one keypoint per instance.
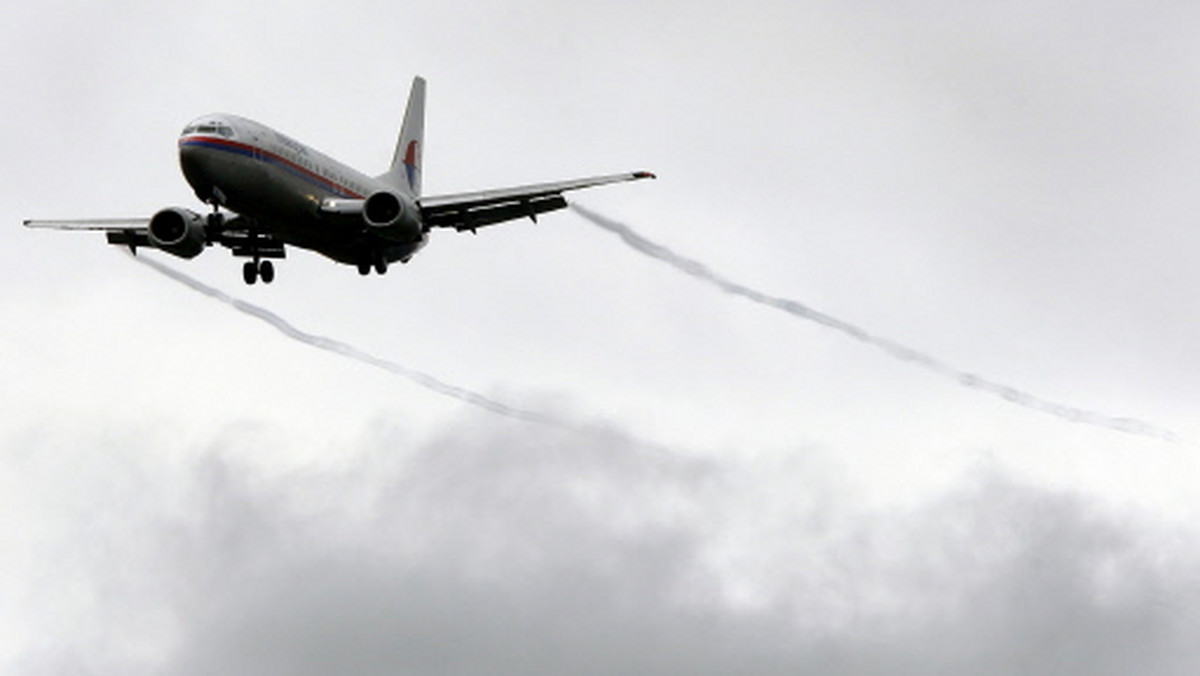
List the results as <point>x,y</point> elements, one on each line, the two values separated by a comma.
<point>644,174</point>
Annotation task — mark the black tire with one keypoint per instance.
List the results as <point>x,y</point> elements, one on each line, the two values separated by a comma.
<point>364,268</point>
<point>266,270</point>
<point>250,272</point>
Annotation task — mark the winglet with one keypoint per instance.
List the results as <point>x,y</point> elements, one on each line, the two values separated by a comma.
<point>405,172</point>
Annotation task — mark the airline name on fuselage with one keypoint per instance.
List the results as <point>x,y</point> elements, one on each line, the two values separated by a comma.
<point>300,155</point>
<point>292,143</point>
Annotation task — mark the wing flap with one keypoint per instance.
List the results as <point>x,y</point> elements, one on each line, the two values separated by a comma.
<point>131,238</point>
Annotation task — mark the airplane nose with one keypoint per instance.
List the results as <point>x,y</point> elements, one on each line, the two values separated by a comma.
<point>194,162</point>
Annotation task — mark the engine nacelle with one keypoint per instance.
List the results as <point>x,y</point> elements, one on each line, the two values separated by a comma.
<point>392,216</point>
<point>178,232</point>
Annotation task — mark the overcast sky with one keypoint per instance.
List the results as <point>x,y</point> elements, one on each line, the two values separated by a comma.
<point>1007,187</point>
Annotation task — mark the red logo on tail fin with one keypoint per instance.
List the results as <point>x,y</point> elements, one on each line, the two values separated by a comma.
<point>412,164</point>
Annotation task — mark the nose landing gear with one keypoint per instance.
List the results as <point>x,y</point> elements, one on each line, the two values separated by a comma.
<point>259,248</point>
<point>375,260</point>
<point>252,271</point>
<point>244,239</point>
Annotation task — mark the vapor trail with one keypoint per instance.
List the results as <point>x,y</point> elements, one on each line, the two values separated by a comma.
<point>1021,398</point>
<point>337,347</point>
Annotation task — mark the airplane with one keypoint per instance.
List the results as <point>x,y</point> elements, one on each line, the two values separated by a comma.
<point>268,191</point>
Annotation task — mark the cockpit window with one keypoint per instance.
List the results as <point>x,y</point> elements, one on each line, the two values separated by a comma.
<point>209,128</point>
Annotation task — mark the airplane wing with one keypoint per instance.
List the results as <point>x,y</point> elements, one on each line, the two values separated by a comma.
<point>135,233</point>
<point>93,224</point>
<point>130,232</point>
<point>469,211</point>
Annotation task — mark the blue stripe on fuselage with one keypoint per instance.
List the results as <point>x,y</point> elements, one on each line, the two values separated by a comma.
<point>269,158</point>
<point>217,144</point>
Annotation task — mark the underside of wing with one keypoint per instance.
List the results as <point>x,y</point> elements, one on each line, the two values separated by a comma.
<point>468,211</point>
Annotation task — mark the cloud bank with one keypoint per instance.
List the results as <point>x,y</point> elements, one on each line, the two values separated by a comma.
<point>505,549</point>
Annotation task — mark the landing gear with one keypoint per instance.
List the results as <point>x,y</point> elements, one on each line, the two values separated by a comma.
<point>252,244</point>
<point>376,261</point>
<point>252,271</point>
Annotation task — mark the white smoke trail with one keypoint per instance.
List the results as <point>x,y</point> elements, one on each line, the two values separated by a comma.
<point>700,271</point>
<point>337,347</point>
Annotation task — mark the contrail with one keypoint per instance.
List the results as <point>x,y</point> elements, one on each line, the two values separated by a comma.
<point>1021,398</point>
<point>337,347</point>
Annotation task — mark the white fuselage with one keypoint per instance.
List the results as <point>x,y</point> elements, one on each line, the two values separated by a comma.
<point>280,184</point>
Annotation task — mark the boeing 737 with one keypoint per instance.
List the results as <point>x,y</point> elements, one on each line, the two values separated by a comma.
<point>267,190</point>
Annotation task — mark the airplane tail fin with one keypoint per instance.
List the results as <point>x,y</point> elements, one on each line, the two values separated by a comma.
<point>405,172</point>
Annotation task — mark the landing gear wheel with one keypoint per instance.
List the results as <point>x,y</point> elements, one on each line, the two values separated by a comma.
<point>266,270</point>
<point>250,272</point>
<point>364,268</point>
<point>381,264</point>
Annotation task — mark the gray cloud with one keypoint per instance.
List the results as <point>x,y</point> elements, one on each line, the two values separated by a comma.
<point>517,550</point>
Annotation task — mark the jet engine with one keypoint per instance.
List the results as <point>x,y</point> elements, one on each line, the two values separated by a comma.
<point>392,216</point>
<point>178,232</point>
